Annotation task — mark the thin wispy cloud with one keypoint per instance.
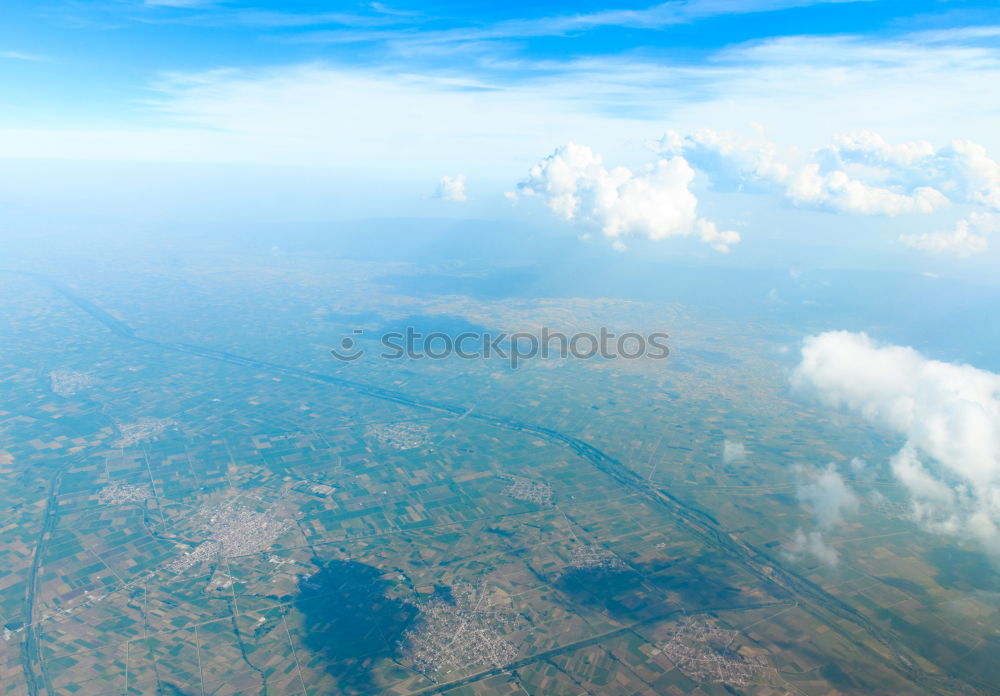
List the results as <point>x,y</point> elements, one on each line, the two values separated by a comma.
<point>659,16</point>
<point>382,8</point>
<point>963,34</point>
<point>511,112</point>
<point>20,55</point>
<point>180,3</point>
<point>276,20</point>
<point>233,15</point>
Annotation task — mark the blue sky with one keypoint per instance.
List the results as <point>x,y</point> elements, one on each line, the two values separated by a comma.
<point>78,63</point>
<point>378,102</point>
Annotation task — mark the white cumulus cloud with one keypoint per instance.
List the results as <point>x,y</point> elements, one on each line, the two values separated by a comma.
<point>828,496</point>
<point>949,415</point>
<point>451,188</point>
<point>830,500</point>
<point>813,544</point>
<point>968,237</point>
<point>755,164</point>
<point>962,169</point>
<point>860,173</point>
<point>655,202</point>
<point>733,452</point>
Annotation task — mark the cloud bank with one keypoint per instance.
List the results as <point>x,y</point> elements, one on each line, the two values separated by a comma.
<point>859,174</point>
<point>655,202</point>
<point>948,414</point>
